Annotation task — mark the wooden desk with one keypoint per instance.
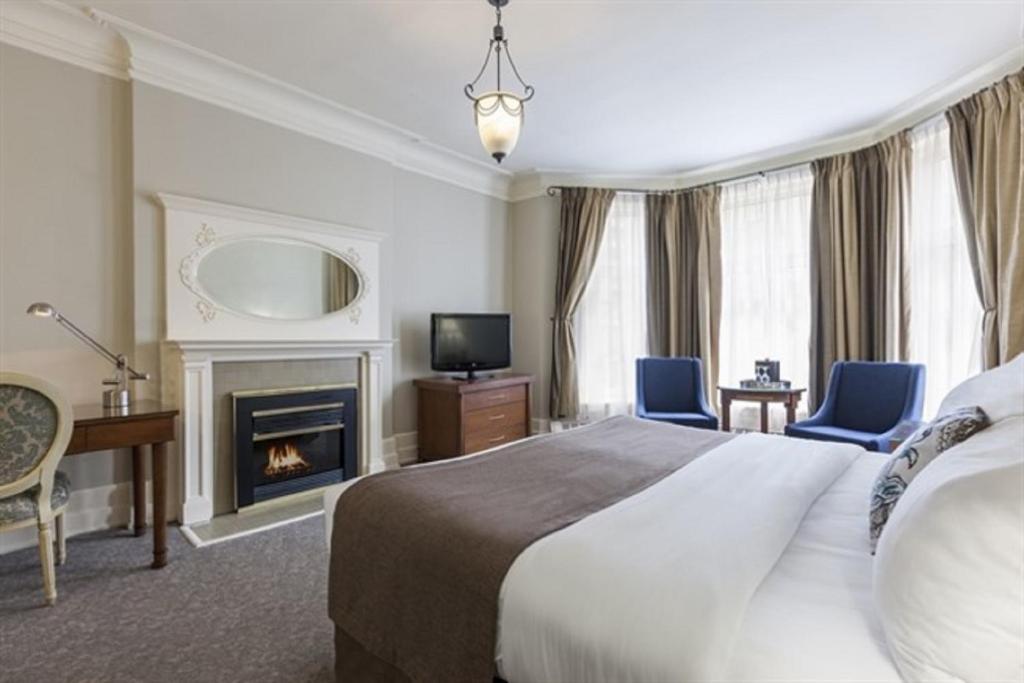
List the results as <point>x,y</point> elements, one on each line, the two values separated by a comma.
<point>790,397</point>
<point>143,422</point>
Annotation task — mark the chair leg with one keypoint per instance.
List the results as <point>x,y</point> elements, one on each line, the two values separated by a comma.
<point>62,546</point>
<point>46,560</point>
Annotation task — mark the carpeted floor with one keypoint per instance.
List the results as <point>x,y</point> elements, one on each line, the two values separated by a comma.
<point>252,609</point>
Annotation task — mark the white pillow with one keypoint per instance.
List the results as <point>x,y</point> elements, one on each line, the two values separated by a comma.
<point>999,391</point>
<point>949,570</point>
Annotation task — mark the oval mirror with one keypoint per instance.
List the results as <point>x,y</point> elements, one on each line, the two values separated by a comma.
<point>277,279</point>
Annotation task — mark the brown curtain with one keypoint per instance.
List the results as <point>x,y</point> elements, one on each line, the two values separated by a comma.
<point>584,211</point>
<point>988,166</point>
<point>341,284</point>
<point>859,284</point>
<point>684,277</point>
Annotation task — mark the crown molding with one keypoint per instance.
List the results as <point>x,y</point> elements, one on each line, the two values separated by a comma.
<point>911,112</point>
<point>107,44</point>
<point>62,32</point>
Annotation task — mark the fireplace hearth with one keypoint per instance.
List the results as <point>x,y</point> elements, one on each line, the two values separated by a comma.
<point>292,440</point>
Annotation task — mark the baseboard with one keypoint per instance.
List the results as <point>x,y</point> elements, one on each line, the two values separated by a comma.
<point>540,425</point>
<point>102,507</point>
<point>406,447</point>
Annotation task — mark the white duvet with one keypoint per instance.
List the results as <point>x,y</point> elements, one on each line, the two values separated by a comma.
<point>654,588</point>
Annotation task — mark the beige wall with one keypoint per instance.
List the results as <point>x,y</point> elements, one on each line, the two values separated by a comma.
<point>65,228</point>
<point>80,158</point>
<point>184,146</point>
<point>450,256</point>
<point>533,250</point>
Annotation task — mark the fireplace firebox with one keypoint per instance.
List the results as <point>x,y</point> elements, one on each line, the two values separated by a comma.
<point>291,440</point>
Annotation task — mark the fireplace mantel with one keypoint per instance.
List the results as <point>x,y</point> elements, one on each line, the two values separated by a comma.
<point>188,372</point>
<point>202,331</point>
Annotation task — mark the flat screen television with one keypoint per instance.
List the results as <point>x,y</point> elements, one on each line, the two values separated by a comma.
<point>468,342</point>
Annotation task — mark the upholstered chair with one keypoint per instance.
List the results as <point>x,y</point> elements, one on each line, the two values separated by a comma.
<point>35,427</point>
<point>672,390</point>
<point>864,403</point>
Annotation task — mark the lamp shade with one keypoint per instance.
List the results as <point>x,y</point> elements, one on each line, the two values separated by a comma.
<point>499,118</point>
<point>43,310</point>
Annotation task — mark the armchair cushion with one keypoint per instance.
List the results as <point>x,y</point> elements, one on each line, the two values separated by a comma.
<point>22,506</point>
<point>28,425</point>
<point>868,440</point>
<point>670,385</point>
<point>684,419</point>
<point>871,397</point>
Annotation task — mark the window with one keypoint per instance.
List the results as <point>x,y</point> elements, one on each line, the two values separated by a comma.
<point>611,321</point>
<point>766,307</point>
<point>945,314</point>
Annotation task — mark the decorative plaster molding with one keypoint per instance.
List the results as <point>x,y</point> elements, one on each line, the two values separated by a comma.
<point>65,33</point>
<point>107,44</point>
<point>189,237</point>
<point>269,218</point>
<point>918,109</point>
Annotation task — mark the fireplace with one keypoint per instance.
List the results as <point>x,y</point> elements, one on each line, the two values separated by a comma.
<point>291,440</point>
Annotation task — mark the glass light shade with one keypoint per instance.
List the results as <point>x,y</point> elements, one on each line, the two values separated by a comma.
<point>499,118</point>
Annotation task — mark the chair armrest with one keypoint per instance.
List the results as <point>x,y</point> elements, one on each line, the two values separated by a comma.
<point>884,440</point>
<point>641,401</point>
<point>702,403</point>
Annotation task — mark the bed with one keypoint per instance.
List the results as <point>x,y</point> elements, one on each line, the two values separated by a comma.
<point>750,561</point>
<point>780,638</point>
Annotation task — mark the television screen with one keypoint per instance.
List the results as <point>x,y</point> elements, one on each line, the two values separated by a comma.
<point>464,342</point>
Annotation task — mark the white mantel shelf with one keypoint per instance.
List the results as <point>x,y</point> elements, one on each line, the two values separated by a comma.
<point>202,332</point>
<point>188,369</point>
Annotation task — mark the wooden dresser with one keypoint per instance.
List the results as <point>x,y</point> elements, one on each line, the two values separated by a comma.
<point>458,416</point>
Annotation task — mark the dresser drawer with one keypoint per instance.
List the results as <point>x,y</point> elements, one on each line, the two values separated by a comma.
<point>497,437</point>
<point>495,417</point>
<point>494,397</point>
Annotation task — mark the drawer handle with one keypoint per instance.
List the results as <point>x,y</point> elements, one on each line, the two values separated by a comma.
<point>497,417</point>
<point>496,439</point>
<point>499,397</point>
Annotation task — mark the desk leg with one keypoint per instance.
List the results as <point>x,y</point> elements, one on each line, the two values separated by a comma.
<point>764,417</point>
<point>159,505</point>
<point>139,490</point>
<point>726,410</point>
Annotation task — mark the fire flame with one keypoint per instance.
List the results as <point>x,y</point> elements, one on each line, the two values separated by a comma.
<point>283,460</point>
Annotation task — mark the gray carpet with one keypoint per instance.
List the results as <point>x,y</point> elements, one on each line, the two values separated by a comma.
<point>252,609</point>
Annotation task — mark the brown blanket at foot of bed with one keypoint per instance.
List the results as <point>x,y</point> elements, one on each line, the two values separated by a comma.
<point>418,555</point>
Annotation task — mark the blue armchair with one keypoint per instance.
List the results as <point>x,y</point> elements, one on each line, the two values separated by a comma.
<point>672,390</point>
<point>864,404</point>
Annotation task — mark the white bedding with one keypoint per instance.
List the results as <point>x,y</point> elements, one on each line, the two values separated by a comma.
<point>754,558</point>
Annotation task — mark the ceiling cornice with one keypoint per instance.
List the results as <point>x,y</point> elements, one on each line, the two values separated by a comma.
<point>109,45</point>
<point>922,107</point>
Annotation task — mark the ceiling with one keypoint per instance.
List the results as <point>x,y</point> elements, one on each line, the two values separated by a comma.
<point>624,87</point>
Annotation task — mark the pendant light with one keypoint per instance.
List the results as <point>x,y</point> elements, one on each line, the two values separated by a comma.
<point>498,113</point>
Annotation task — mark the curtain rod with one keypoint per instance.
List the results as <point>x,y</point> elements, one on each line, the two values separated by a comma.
<point>552,190</point>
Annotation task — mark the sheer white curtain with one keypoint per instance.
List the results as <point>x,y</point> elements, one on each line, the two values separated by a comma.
<point>766,305</point>
<point>945,315</point>
<point>611,321</point>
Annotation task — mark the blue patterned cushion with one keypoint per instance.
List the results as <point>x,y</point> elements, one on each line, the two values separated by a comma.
<point>28,425</point>
<point>913,455</point>
<point>22,506</point>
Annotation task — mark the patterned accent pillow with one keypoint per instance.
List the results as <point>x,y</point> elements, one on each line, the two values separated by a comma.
<point>913,455</point>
